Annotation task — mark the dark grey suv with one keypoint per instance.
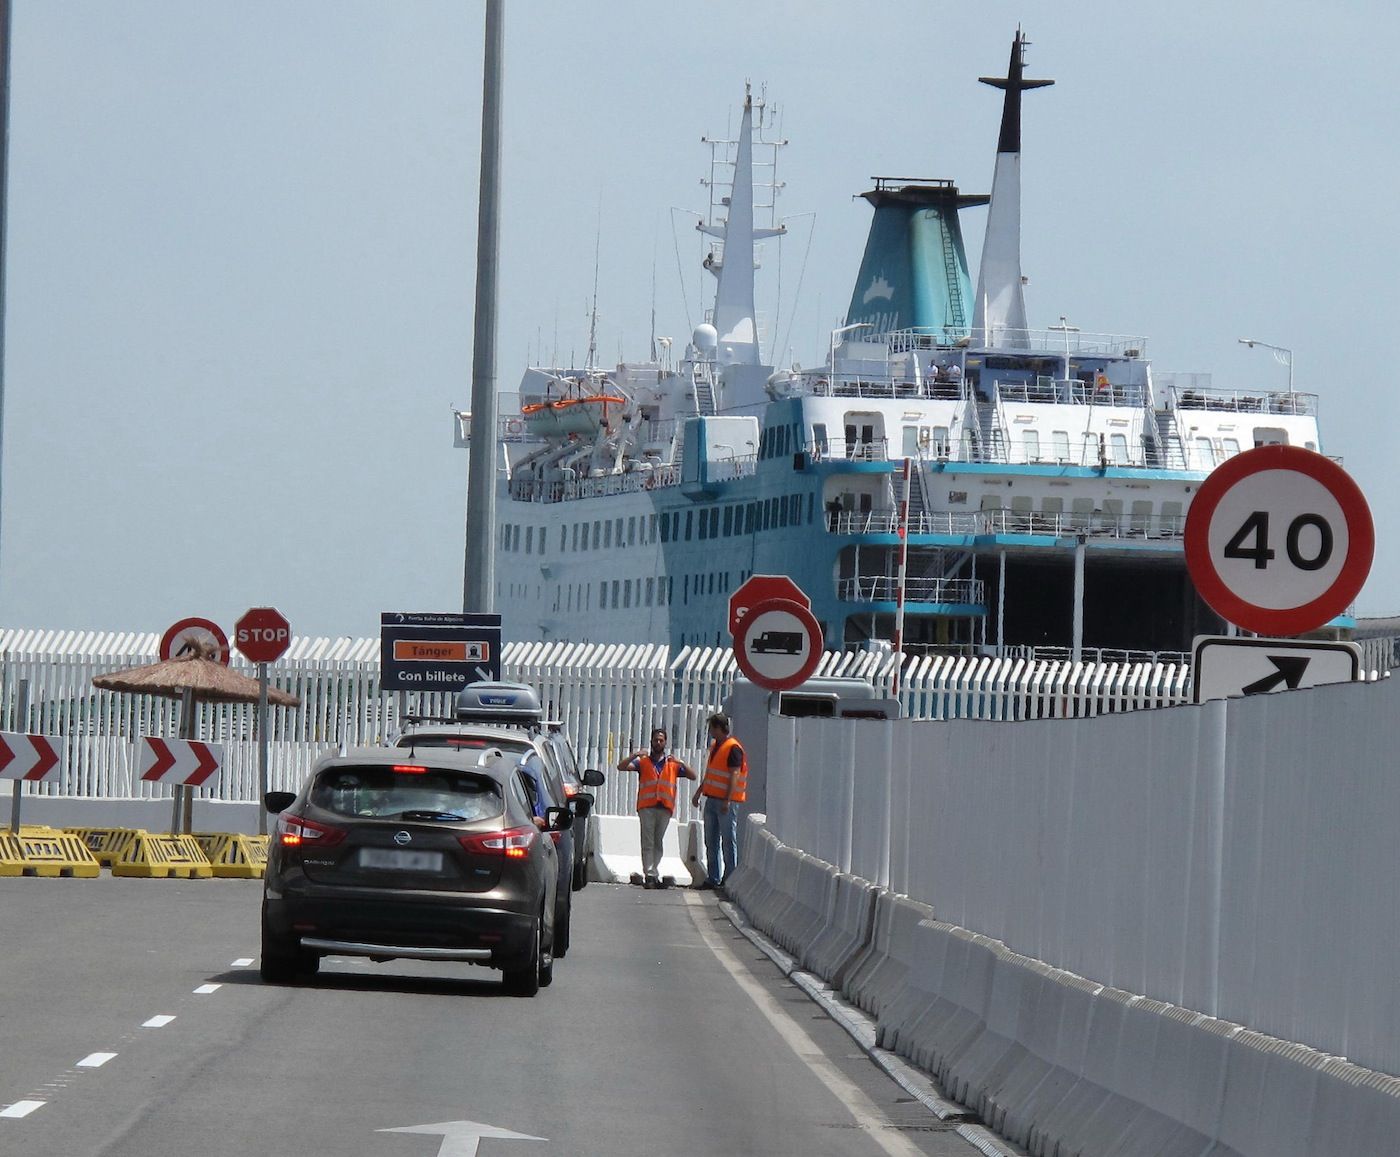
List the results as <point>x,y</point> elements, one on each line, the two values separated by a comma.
<point>429,856</point>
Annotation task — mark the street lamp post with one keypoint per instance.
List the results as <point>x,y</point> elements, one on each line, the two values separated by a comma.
<point>1278,349</point>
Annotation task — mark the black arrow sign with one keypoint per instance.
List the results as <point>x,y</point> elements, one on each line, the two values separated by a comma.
<point>1288,670</point>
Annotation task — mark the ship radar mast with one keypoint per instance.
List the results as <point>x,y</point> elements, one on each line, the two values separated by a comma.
<point>733,259</point>
<point>999,317</point>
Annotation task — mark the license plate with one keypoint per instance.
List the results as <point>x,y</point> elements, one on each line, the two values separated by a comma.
<point>399,860</point>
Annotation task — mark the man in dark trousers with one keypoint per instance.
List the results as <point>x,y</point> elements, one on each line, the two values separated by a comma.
<point>656,798</point>
<point>723,789</point>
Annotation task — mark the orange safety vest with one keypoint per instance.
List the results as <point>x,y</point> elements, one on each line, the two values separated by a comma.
<point>717,773</point>
<point>658,783</point>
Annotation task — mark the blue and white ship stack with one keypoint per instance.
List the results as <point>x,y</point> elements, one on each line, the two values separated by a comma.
<point>1051,469</point>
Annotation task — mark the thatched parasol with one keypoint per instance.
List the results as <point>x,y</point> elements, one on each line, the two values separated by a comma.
<point>193,677</point>
<point>208,679</point>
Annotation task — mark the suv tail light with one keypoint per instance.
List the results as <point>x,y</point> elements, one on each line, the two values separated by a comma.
<point>513,843</point>
<point>298,831</point>
<point>571,790</point>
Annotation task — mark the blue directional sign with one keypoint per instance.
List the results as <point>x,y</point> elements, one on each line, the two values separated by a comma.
<point>425,651</point>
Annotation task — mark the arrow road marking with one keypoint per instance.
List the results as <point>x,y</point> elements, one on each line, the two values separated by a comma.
<point>462,1138</point>
<point>1288,669</point>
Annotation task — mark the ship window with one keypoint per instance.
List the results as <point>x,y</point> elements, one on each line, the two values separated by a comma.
<point>1119,444</point>
<point>632,531</point>
<point>627,593</point>
<point>819,438</point>
<point>575,536</point>
<point>1171,518</point>
<point>941,442</point>
<point>597,534</point>
<point>529,540</point>
<point>1032,441</point>
<point>689,524</point>
<point>1205,453</point>
<point>651,527</point>
<point>911,441</point>
<point>617,534</point>
<point>704,525</point>
<point>685,589</point>
<point>711,583</point>
<point>1141,520</point>
<point>614,592</point>
<point>515,539</point>
<point>1052,505</point>
<point>665,528</point>
<point>651,590</point>
<point>728,521</point>
<point>749,518</point>
<point>1059,444</point>
<point>607,535</point>
<point>714,522</point>
<point>1232,446</point>
<point>603,596</point>
<point>1090,452</point>
<point>1083,513</point>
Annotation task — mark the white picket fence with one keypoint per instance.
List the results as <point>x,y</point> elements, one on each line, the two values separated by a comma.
<point>609,695</point>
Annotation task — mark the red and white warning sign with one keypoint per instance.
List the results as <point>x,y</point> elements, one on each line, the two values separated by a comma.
<point>193,635</point>
<point>778,644</point>
<point>27,757</point>
<point>184,761</point>
<point>1279,540</point>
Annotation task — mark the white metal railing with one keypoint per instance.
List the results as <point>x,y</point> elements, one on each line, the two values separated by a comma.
<point>951,522</point>
<point>885,589</point>
<point>609,695</point>
<point>1071,392</point>
<point>1242,401</point>
<point>627,482</point>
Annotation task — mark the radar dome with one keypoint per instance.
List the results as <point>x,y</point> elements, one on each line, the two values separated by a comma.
<point>705,338</point>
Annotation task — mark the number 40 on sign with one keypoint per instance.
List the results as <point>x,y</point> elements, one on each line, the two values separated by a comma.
<point>1279,540</point>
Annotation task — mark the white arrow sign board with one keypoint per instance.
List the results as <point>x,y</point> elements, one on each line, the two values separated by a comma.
<point>462,1138</point>
<point>1224,668</point>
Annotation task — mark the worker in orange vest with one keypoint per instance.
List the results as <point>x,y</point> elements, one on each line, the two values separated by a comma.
<point>656,799</point>
<point>723,789</point>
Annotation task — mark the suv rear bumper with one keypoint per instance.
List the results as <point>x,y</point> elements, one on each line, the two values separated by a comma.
<point>392,928</point>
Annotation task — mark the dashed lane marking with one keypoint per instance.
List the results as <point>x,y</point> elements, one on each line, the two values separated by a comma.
<point>157,1022</point>
<point>94,1060</point>
<point>206,989</point>
<point>21,1108</point>
<point>242,962</point>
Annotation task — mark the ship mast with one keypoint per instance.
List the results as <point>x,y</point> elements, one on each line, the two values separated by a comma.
<point>999,318</point>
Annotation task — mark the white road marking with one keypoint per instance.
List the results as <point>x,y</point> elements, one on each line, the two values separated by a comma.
<point>21,1108</point>
<point>206,989</point>
<point>866,1114</point>
<point>157,1022</point>
<point>242,962</point>
<point>94,1060</point>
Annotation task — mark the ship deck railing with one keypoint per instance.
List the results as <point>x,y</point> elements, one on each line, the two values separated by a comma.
<point>1003,522</point>
<point>1065,342</point>
<point>624,482</point>
<point>885,589</point>
<point>1068,392</point>
<point>935,451</point>
<point>1243,401</point>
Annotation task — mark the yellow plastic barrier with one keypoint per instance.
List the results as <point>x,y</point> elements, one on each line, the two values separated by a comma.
<point>45,851</point>
<point>234,856</point>
<point>103,843</point>
<point>161,857</point>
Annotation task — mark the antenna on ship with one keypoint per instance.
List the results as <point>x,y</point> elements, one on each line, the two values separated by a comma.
<point>999,317</point>
<point>593,313</point>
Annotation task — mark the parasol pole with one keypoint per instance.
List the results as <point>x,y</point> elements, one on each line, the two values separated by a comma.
<point>183,793</point>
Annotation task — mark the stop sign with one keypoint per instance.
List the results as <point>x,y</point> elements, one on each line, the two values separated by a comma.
<point>762,588</point>
<point>262,634</point>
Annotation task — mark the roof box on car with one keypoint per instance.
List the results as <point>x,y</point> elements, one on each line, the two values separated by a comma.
<point>499,703</point>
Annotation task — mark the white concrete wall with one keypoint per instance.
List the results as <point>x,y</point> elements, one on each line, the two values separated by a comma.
<point>1240,859</point>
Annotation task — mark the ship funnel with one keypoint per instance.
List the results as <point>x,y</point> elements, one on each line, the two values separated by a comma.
<point>999,318</point>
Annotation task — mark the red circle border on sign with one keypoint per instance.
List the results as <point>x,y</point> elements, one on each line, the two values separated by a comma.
<point>814,652</point>
<point>167,640</point>
<point>1361,541</point>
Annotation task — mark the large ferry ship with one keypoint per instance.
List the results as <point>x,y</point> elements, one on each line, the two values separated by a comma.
<point>1033,483</point>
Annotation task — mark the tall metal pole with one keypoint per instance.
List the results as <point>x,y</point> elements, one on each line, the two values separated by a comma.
<point>479,564</point>
<point>903,531</point>
<point>4,197</point>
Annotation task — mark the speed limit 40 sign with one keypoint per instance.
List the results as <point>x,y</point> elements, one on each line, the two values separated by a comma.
<point>1279,540</point>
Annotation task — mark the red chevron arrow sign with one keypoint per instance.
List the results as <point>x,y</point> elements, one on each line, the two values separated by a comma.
<point>185,761</point>
<point>31,757</point>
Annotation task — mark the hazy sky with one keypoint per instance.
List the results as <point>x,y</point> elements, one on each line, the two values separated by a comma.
<point>242,246</point>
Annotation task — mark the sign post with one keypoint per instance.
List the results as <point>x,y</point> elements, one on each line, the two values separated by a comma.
<point>263,635</point>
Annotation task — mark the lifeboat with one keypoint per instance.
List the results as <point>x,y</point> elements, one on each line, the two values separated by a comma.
<point>581,416</point>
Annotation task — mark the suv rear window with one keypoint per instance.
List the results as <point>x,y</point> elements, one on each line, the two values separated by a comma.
<point>379,792</point>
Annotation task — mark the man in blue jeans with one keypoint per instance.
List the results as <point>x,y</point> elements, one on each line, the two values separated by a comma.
<point>723,789</point>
